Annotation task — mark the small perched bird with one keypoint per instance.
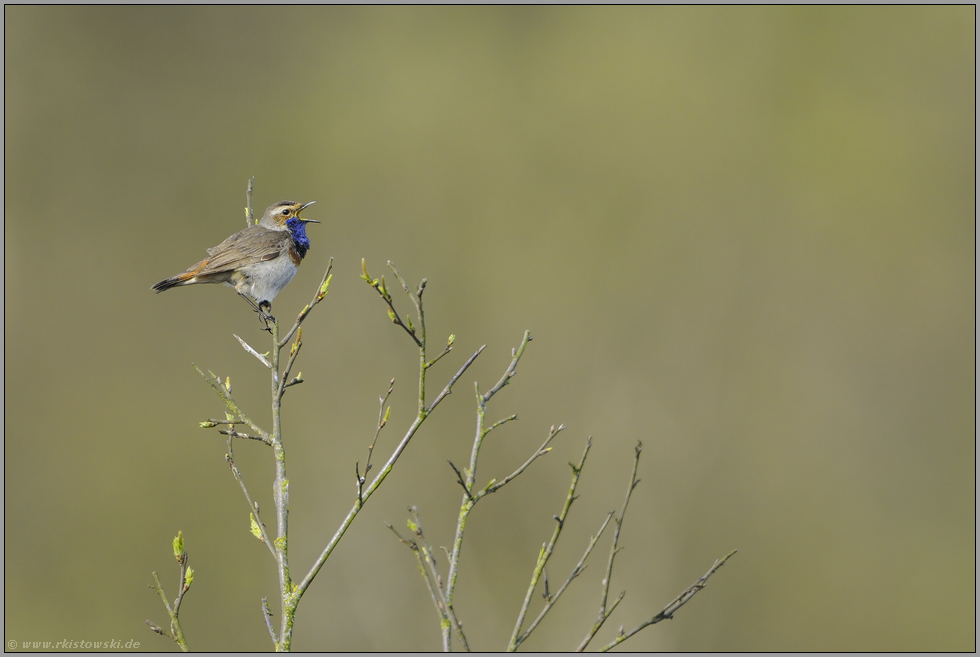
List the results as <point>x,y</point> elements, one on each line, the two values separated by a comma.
<point>258,261</point>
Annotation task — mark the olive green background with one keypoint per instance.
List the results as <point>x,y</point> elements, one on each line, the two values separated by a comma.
<point>743,236</point>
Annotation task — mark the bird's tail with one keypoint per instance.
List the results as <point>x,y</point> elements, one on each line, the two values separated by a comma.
<point>187,278</point>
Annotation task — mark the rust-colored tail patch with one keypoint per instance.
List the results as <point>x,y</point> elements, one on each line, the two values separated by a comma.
<point>185,278</point>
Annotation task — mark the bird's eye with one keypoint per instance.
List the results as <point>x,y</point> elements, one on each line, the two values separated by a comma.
<point>285,212</point>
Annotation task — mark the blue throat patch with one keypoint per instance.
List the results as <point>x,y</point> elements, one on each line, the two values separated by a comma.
<point>297,228</point>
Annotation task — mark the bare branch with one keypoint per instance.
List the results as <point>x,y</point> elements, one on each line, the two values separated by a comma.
<point>445,608</point>
<point>468,480</point>
<point>541,451</point>
<point>579,568</point>
<point>222,392</point>
<point>417,297</point>
<point>502,422</point>
<point>511,369</point>
<point>317,298</point>
<point>293,353</point>
<point>246,347</point>
<point>379,285</point>
<point>613,550</point>
<point>252,506</point>
<point>461,480</point>
<point>547,549</point>
<point>267,614</point>
<point>675,604</point>
<point>184,584</point>
<point>422,570</point>
<point>158,587</point>
<point>449,347</point>
<point>449,386</point>
<point>382,421</point>
<point>249,215</point>
<point>245,436</point>
<point>358,504</point>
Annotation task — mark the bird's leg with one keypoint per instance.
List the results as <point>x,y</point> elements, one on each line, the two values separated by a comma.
<point>261,308</point>
<point>265,314</point>
<point>248,300</point>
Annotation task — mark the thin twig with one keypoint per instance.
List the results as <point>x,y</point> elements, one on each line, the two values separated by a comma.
<point>252,506</point>
<point>358,505</point>
<point>267,614</point>
<point>159,589</point>
<point>445,608</point>
<point>183,585</point>
<point>246,347</point>
<point>422,569</point>
<point>501,422</point>
<point>237,412</point>
<point>493,487</point>
<point>322,291</point>
<point>579,568</point>
<point>449,386</point>
<point>382,421</point>
<point>675,604</point>
<point>549,548</point>
<point>461,480</point>
<point>467,478</point>
<point>244,436</point>
<point>449,347</point>
<point>417,297</point>
<point>613,551</point>
<point>293,353</point>
<point>379,285</point>
<point>511,369</point>
<point>249,215</point>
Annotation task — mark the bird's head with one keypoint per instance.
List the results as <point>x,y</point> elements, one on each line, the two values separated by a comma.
<point>278,215</point>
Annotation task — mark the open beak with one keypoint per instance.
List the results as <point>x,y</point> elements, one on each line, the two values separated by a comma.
<point>303,207</point>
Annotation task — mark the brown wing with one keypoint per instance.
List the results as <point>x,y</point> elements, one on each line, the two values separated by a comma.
<point>246,247</point>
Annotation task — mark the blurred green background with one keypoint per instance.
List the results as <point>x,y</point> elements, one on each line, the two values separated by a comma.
<point>743,236</point>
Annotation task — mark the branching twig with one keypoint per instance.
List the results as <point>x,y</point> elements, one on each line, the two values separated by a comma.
<point>267,614</point>
<point>494,486</point>
<point>605,613</point>
<point>238,415</point>
<point>449,386</point>
<point>358,504</point>
<point>675,604</point>
<point>382,421</point>
<point>249,215</point>
<point>184,584</point>
<point>253,507</point>
<point>466,478</point>
<point>579,568</point>
<point>511,369</point>
<point>317,298</point>
<point>293,353</point>
<point>262,357</point>
<point>442,606</point>
<point>462,481</point>
<point>244,436</point>
<point>379,285</point>
<point>549,547</point>
<point>412,545</point>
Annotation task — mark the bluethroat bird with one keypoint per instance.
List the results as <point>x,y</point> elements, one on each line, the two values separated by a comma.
<point>258,261</point>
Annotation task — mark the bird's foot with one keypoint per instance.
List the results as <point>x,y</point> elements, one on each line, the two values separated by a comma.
<point>265,315</point>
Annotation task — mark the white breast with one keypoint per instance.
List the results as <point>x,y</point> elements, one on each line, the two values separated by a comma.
<point>264,280</point>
